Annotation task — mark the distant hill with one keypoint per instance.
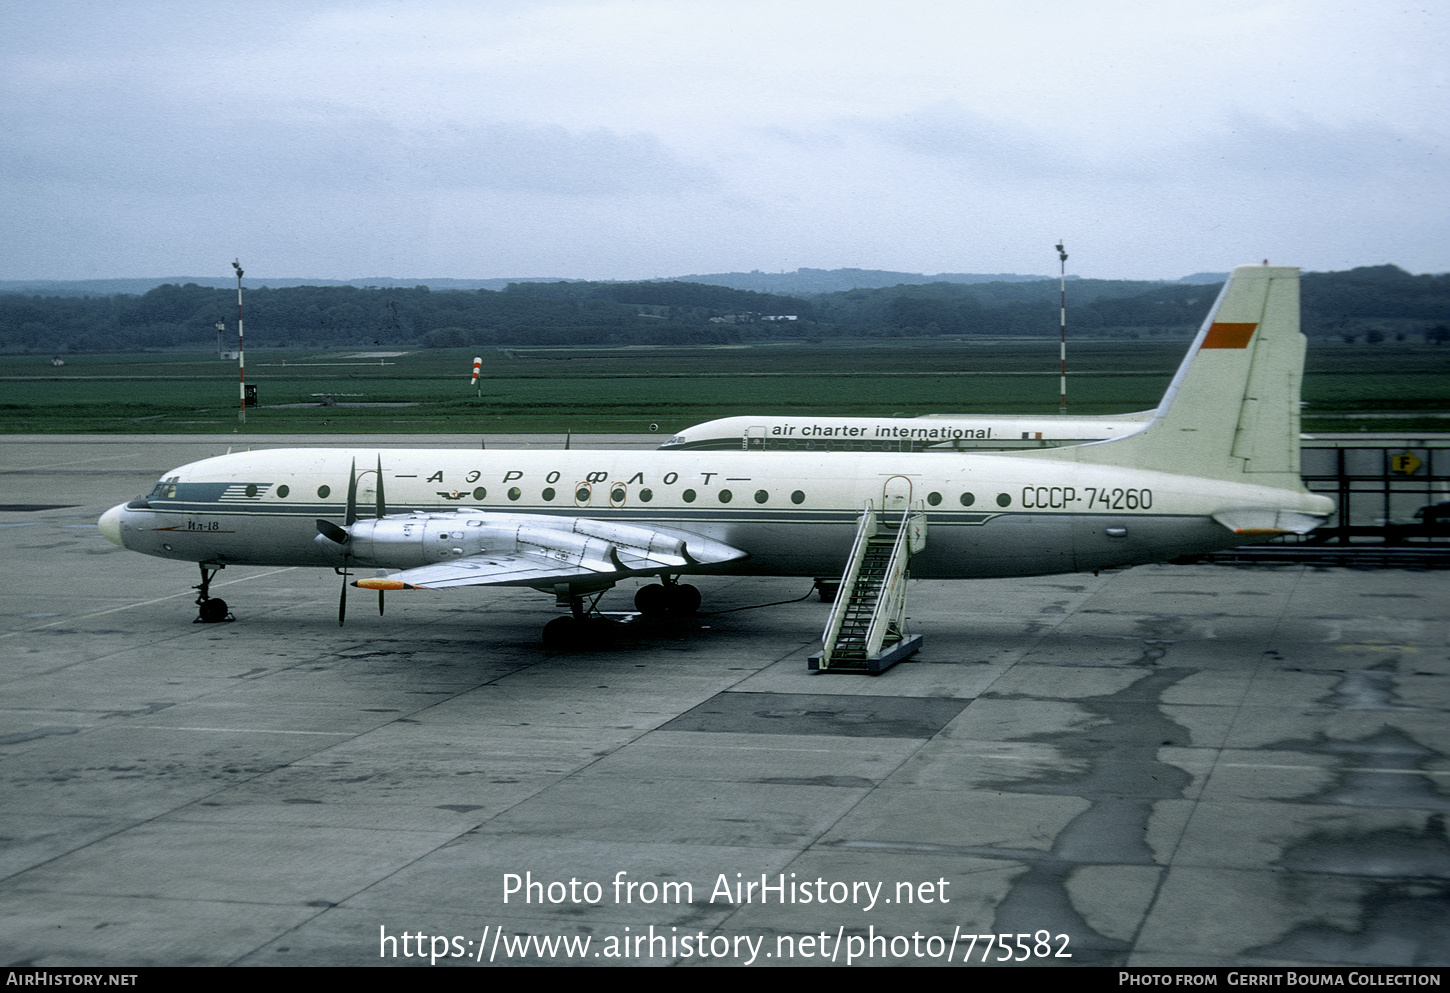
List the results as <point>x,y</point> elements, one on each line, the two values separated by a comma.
<point>136,287</point>
<point>802,282</point>
<point>1375,301</point>
<point>813,281</point>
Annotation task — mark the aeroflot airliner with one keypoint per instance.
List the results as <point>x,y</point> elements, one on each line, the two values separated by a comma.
<point>1217,465</point>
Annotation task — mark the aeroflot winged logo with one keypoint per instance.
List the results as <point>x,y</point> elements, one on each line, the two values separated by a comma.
<point>1225,335</point>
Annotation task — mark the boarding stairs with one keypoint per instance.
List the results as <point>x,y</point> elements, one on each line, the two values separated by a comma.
<point>865,631</point>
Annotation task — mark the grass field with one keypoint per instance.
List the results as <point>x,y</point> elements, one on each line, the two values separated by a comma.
<point>1390,386</point>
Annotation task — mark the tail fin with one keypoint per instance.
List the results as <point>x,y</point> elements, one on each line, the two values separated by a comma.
<point>1232,410</point>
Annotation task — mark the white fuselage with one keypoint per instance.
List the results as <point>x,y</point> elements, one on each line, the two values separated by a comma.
<point>987,515</point>
<point>932,432</point>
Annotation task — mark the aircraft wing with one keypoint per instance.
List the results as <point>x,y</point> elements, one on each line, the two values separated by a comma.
<point>484,570</point>
<point>540,551</point>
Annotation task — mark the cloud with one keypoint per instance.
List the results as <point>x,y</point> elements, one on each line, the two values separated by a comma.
<point>1311,148</point>
<point>950,133</point>
<point>1233,146</point>
<point>554,161</point>
<point>614,137</point>
<point>115,150</point>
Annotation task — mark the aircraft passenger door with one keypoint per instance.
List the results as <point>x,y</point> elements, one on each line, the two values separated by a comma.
<point>754,439</point>
<point>896,495</point>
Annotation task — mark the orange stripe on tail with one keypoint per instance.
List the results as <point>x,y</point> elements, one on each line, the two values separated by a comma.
<point>1222,335</point>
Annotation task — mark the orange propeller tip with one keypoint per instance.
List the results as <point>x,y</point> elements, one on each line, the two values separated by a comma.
<point>380,583</point>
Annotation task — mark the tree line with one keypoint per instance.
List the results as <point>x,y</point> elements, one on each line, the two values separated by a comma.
<point>1344,304</point>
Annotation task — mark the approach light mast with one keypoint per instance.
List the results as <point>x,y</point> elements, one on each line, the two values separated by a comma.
<point>1062,316</point>
<point>241,355</point>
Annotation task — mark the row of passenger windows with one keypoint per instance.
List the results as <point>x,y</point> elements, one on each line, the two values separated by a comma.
<point>619,494</point>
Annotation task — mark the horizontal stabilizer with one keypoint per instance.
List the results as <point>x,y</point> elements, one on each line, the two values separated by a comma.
<point>1267,520</point>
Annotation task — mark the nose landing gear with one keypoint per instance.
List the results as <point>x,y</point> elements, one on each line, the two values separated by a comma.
<point>210,609</point>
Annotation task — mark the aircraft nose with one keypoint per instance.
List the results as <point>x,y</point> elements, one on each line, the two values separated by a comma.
<point>110,524</point>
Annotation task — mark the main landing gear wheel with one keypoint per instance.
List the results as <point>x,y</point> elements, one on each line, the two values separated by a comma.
<point>560,634</point>
<point>667,598</point>
<point>686,599</point>
<point>578,634</point>
<point>209,609</point>
<point>652,600</point>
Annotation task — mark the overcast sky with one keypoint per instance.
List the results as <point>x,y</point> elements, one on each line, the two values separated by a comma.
<point>621,140</point>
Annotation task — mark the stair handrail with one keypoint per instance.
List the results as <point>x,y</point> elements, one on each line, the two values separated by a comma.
<point>865,530</point>
<point>892,597</point>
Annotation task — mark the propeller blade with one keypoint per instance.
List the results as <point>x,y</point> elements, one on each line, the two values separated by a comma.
<point>382,505</point>
<point>351,518</point>
<point>342,600</point>
<point>332,532</point>
<point>380,603</point>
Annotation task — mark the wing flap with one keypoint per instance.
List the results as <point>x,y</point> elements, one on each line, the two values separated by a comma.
<point>521,569</point>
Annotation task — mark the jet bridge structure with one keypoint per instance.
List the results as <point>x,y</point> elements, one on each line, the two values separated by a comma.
<point>865,632</point>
